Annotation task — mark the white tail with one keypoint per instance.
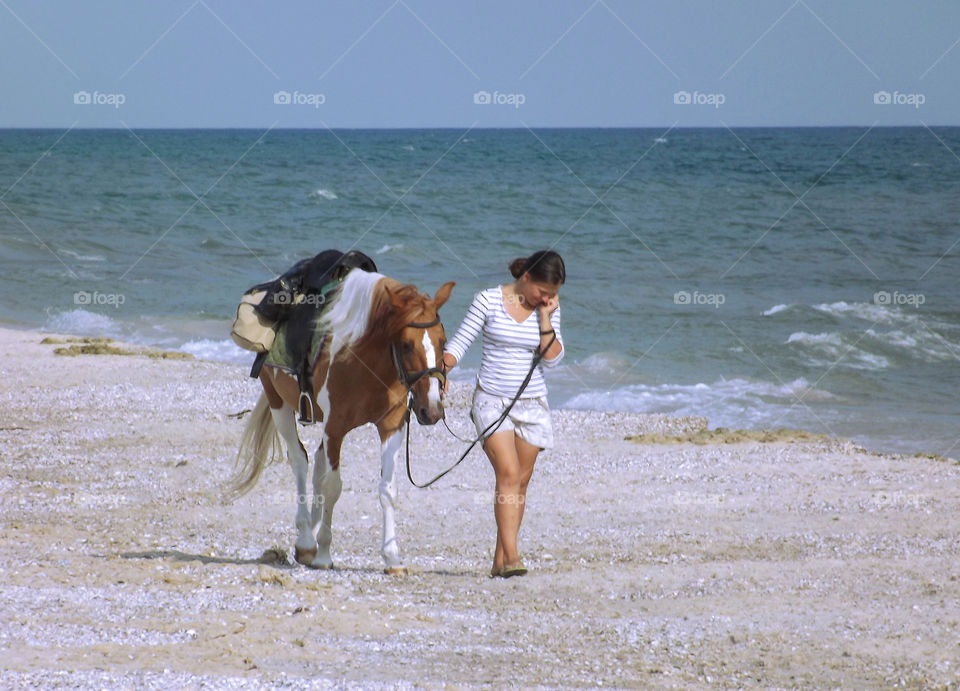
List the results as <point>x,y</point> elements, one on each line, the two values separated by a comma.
<point>259,447</point>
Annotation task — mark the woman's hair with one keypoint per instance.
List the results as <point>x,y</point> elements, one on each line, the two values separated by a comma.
<point>544,266</point>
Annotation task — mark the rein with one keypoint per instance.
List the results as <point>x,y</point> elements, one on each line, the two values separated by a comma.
<point>491,428</point>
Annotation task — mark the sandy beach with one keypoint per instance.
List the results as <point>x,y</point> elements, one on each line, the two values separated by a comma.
<point>681,560</point>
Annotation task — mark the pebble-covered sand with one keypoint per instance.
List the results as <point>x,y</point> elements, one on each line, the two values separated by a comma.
<point>784,564</point>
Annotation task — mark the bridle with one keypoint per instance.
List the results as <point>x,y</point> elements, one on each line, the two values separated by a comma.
<point>409,379</point>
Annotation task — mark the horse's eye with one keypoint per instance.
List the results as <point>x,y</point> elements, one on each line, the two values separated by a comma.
<point>407,347</point>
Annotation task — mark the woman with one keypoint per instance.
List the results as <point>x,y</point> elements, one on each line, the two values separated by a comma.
<point>516,321</point>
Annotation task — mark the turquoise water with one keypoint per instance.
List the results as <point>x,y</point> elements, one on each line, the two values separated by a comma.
<point>766,277</point>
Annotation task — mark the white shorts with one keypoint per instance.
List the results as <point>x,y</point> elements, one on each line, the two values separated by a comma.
<point>529,418</point>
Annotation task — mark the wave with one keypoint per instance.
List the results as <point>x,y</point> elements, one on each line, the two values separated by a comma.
<point>83,257</point>
<point>775,309</point>
<point>324,194</point>
<point>866,311</point>
<point>223,350</point>
<point>836,349</point>
<point>82,323</point>
<point>727,402</point>
<point>388,248</point>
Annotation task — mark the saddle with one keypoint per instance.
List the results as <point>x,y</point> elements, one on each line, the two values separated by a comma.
<point>293,301</point>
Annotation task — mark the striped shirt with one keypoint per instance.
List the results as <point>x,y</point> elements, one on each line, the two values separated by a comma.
<point>508,345</point>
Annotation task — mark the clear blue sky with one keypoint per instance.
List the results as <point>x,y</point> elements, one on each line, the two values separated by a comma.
<point>425,63</point>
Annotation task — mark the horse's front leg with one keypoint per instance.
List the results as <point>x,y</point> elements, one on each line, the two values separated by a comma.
<point>305,548</point>
<point>390,444</point>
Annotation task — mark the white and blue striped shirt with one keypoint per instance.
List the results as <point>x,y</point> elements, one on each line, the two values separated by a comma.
<point>508,345</point>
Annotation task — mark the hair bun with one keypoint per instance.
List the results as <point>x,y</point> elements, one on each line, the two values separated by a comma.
<point>518,266</point>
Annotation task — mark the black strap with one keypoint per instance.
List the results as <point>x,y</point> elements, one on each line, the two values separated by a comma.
<point>492,426</point>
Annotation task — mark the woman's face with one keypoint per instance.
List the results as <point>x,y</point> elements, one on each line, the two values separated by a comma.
<point>536,294</point>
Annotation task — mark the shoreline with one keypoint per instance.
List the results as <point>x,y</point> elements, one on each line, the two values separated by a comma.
<point>663,432</point>
<point>123,562</point>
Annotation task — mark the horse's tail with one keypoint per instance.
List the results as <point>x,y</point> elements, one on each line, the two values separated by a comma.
<point>259,447</point>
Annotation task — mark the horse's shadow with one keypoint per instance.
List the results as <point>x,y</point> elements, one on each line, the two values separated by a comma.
<point>177,555</point>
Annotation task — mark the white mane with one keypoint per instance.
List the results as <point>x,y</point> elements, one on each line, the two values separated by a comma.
<point>349,313</point>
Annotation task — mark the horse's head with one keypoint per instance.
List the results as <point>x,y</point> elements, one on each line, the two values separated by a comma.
<point>418,348</point>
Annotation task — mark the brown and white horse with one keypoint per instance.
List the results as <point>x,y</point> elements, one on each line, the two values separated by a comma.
<point>384,341</point>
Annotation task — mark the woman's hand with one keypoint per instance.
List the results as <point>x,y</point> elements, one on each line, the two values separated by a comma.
<point>545,310</point>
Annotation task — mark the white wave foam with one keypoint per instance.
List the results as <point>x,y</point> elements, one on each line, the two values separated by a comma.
<point>324,194</point>
<point>867,311</point>
<point>727,402</point>
<point>83,323</point>
<point>925,343</point>
<point>775,309</point>
<point>218,350</point>
<point>83,257</point>
<point>833,348</point>
<point>387,248</point>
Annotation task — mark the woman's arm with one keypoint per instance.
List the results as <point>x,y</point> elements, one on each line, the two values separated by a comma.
<point>470,328</point>
<point>550,326</point>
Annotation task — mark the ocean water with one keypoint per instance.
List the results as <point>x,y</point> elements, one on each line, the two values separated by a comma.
<point>760,277</point>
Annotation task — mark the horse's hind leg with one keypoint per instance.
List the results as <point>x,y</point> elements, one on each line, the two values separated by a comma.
<point>326,487</point>
<point>284,418</point>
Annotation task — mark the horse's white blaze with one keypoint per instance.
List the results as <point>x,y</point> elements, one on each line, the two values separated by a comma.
<point>434,395</point>
<point>389,451</point>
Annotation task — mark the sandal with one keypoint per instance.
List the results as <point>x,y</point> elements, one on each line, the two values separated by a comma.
<point>510,570</point>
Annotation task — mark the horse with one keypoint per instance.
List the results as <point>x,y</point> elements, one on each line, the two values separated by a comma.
<point>382,345</point>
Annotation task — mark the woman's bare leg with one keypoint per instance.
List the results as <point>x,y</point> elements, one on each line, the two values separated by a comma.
<point>501,450</point>
<point>527,457</point>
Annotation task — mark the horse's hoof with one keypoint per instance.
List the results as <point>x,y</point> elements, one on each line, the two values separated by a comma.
<point>397,571</point>
<point>304,556</point>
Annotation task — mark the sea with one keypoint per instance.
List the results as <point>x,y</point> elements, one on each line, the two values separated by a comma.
<point>762,278</point>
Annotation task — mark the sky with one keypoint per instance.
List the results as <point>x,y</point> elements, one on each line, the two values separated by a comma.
<point>454,63</point>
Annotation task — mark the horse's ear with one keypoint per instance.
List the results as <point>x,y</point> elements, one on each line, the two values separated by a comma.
<point>395,300</point>
<point>443,294</point>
